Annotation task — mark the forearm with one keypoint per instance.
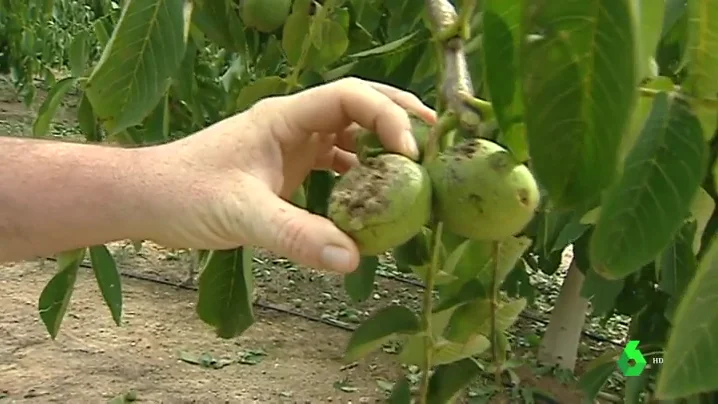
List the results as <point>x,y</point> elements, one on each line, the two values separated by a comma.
<point>59,196</point>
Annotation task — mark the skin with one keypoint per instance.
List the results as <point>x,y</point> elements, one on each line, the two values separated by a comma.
<point>225,186</point>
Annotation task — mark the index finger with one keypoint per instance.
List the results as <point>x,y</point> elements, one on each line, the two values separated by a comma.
<point>376,107</point>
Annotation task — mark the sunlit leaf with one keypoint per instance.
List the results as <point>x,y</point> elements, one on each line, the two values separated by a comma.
<point>662,174</point>
<point>108,279</point>
<point>55,297</point>
<point>677,263</point>
<point>49,106</point>
<point>702,59</point>
<point>650,21</point>
<point>385,48</point>
<point>701,209</point>
<point>262,88</point>
<point>501,41</point>
<point>219,21</point>
<point>385,324</point>
<point>78,53</point>
<point>449,380</point>
<point>691,352</point>
<point>142,55</point>
<point>360,283</point>
<point>597,374</point>
<point>225,292</point>
<point>579,75</point>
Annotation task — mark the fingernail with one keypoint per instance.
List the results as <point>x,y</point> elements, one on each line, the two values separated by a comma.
<point>336,258</point>
<point>410,145</point>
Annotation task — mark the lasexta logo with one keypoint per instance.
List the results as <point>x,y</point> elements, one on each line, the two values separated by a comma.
<point>631,352</point>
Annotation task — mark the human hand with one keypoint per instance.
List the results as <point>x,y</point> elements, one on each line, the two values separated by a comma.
<point>231,181</point>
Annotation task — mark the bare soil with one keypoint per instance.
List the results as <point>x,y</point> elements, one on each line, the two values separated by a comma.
<point>282,358</point>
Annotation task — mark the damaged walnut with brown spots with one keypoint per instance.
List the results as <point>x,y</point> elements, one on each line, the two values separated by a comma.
<point>481,192</point>
<point>382,203</point>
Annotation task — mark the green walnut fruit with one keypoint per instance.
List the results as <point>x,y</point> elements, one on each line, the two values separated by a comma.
<point>369,145</point>
<point>481,192</point>
<point>265,15</point>
<point>382,203</point>
<point>299,198</point>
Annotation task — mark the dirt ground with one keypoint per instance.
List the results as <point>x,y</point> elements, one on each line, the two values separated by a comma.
<point>92,360</point>
<point>282,358</point>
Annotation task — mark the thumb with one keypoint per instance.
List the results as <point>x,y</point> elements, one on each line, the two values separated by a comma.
<point>299,235</point>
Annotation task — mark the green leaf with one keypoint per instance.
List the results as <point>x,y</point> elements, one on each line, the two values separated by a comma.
<point>641,213</point>
<point>596,375</point>
<point>334,44</point>
<point>691,352</point>
<point>634,387</point>
<point>702,210</point>
<point>401,392</point>
<point>702,78</point>
<point>510,252</point>
<point>360,283</point>
<point>184,81</point>
<point>319,186</point>
<point>219,21</point>
<point>294,33</point>
<point>449,380</point>
<point>650,27</point>
<point>677,263</point>
<point>579,76</point>
<point>702,59</point>
<point>550,224</point>
<point>415,252</point>
<point>474,318</point>
<point>157,129</point>
<point>467,292</point>
<point>142,55</point>
<point>79,52</point>
<point>640,114</point>
<point>225,292</point>
<point>501,43</point>
<point>384,325</point>
<point>385,48</point>
<point>49,106</point>
<point>55,297</point>
<point>108,279</point>
<point>101,32</point>
<point>602,292</point>
<point>87,122</point>
<point>260,89</point>
<point>271,57</point>
<point>445,351</point>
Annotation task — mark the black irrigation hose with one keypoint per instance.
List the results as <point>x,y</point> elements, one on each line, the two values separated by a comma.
<point>328,321</point>
<point>152,279</point>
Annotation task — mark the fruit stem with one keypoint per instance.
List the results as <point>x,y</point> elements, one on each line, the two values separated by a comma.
<point>444,125</point>
<point>317,19</point>
<point>494,307</point>
<point>426,311</point>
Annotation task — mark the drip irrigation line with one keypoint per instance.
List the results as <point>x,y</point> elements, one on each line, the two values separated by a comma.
<point>325,320</point>
<point>154,279</point>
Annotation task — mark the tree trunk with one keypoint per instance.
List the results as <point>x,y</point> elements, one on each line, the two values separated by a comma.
<point>559,346</point>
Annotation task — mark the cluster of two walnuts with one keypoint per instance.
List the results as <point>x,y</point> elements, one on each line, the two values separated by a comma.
<point>476,188</point>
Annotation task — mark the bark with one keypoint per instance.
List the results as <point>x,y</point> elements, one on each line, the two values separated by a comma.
<point>559,346</point>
